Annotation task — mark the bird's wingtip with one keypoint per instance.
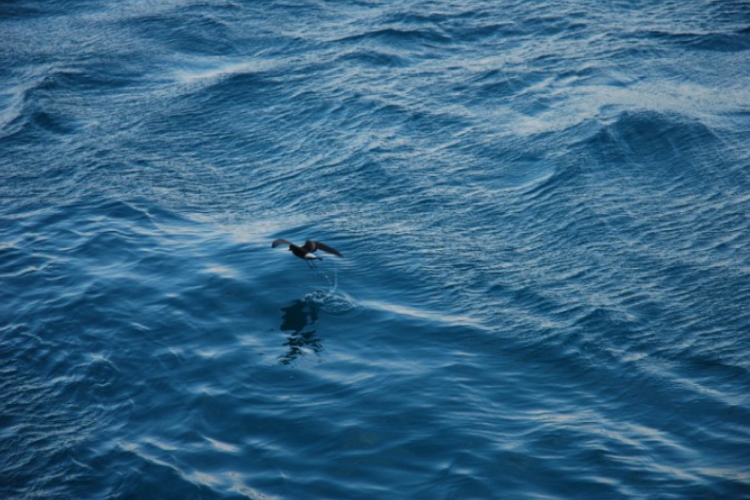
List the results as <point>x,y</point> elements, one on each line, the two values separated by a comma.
<point>279,241</point>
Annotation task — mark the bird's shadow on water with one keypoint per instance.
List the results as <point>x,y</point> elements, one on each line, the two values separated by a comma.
<point>299,319</point>
<point>298,322</point>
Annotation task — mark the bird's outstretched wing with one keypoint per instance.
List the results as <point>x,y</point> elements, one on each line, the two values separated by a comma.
<point>280,241</point>
<point>311,246</point>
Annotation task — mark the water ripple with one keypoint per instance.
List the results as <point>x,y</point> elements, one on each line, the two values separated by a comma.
<point>543,212</point>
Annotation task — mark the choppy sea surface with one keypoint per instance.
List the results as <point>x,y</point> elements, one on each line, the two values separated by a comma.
<point>544,211</point>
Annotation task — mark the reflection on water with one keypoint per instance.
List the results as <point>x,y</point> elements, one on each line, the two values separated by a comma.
<point>299,318</point>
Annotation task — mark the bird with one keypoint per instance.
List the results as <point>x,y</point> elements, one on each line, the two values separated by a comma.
<point>307,251</point>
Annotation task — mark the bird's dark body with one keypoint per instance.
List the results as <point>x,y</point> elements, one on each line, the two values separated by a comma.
<point>307,250</point>
<point>301,253</point>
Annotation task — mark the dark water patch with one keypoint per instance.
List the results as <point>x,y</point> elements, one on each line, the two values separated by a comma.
<point>44,122</point>
<point>45,8</point>
<point>244,87</point>
<point>499,84</point>
<point>398,37</point>
<point>552,25</point>
<point>22,11</point>
<point>669,142</point>
<point>195,30</point>
<point>375,58</point>
<point>718,42</point>
<point>475,31</point>
<point>37,115</point>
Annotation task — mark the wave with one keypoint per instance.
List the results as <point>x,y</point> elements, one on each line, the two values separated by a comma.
<point>715,42</point>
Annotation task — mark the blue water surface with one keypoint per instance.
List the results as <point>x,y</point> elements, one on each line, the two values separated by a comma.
<point>544,211</point>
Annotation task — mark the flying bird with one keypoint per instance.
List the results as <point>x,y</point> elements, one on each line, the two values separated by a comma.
<point>307,251</point>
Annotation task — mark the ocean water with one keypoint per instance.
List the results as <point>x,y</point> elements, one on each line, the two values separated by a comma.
<point>544,211</point>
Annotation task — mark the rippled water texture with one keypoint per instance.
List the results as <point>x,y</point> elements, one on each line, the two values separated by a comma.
<point>544,209</point>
